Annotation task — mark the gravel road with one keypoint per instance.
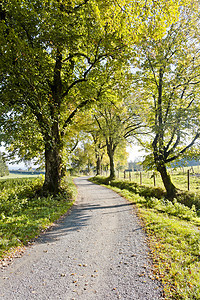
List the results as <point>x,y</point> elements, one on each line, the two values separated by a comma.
<point>98,251</point>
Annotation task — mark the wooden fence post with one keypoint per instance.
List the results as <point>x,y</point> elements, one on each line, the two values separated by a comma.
<point>188,180</point>
<point>124,174</point>
<point>129,175</point>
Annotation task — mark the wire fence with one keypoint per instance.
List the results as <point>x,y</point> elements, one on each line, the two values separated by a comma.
<point>184,178</point>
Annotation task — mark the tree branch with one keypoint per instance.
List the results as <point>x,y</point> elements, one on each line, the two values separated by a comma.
<point>184,149</point>
<point>76,55</point>
<point>69,119</point>
<point>84,75</point>
<point>74,147</point>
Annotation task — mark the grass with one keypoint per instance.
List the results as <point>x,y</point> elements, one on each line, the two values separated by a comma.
<point>23,216</point>
<point>174,239</point>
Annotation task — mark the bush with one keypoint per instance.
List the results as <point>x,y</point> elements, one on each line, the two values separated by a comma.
<point>189,199</point>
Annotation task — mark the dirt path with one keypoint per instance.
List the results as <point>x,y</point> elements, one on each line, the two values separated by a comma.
<point>98,251</point>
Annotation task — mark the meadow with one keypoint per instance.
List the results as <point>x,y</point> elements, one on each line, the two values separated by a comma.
<point>179,177</point>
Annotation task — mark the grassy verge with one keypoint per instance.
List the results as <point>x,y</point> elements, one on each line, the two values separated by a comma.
<point>174,238</point>
<point>23,216</point>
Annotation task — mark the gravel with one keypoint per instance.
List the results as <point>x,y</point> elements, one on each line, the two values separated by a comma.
<point>97,251</point>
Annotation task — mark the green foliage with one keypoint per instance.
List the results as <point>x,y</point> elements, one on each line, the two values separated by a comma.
<point>3,167</point>
<point>178,209</point>
<point>51,54</point>
<point>23,215</point>
<point>189,199</point>
<point>82,158</point>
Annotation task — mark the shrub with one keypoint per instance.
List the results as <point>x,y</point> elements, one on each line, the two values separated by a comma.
<point>189,199</point>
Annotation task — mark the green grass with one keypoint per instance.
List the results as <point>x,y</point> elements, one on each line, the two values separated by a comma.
<point>174,239</point>
<point>23,216</point>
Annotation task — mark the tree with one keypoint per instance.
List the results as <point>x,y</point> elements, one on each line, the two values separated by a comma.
<point>49,66</point>
<point>49,50</point>
<point>117,123</point>
<point>82,159</point>
<point>169,86</point>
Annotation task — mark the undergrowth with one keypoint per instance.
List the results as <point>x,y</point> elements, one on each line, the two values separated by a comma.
<point>23,216</point>
<point>174,239</point>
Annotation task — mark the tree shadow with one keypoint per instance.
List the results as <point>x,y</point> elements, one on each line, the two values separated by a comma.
<point>76,219</point>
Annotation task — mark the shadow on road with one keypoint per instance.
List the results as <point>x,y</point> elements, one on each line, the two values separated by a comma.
<point>75,220</point>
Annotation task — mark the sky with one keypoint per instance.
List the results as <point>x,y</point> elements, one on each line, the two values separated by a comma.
<point>135,152</point>
<point>14,166</point>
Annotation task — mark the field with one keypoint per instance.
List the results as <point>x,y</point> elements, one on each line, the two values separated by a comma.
<point>10,176</point>
<point>22,215</point>
<point>179,177</point>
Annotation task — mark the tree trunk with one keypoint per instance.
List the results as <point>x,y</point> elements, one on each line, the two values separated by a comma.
<point>112,167</point>
<point>98,165</point>
<point>53,170</point>
<point>110,152</point>
<point>169,186</point>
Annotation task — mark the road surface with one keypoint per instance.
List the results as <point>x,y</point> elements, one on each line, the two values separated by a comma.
<point>98,251</point>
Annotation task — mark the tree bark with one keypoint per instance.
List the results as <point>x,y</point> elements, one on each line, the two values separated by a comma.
<point>53,167</point>
<point>169,186</point>
<point>54,170</point>
<point>110,152</point>
<point>98,165</point>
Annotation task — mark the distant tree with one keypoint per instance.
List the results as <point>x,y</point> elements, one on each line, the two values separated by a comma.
<point>3,167</point>
<point>83,157</point>
<point>117,123</point>
<point>99,148</point>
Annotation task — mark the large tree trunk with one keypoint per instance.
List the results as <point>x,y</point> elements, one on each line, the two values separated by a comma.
<point>169,186</point>
<point>53,170</point>
<point>112,167</point>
